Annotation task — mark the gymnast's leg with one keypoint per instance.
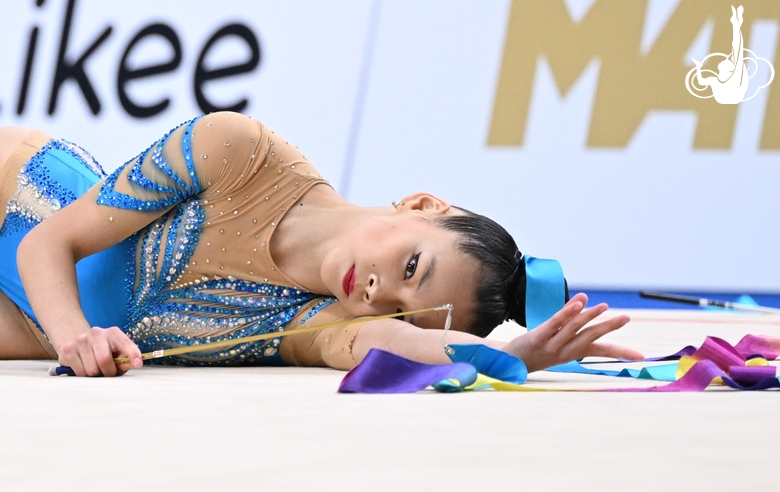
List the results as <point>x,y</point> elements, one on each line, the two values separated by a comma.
<point>10,138</point>
<point>19,337</point>
<point>17,340</point>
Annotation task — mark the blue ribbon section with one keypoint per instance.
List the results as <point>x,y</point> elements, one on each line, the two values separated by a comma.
<point>491,362</point>
<point>545,292</point>
<point>665,372</point>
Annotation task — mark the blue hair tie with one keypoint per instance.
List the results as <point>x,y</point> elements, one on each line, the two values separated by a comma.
<point>545,290</point>
<point>538,289</point>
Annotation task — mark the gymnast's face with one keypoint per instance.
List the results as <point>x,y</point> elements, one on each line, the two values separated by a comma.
<point>401,262</point>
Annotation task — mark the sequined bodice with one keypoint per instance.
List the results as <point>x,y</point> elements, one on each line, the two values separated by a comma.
<point>205,268</point>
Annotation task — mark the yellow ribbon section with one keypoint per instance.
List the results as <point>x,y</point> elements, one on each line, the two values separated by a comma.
<point>484,382</point>
<point>685,364</point>
<point>496,384</point>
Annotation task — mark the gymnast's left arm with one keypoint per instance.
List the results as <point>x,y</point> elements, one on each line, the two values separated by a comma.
<point>567,335</point>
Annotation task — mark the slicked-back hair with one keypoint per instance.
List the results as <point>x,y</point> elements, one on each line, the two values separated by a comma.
<point>494,249</point>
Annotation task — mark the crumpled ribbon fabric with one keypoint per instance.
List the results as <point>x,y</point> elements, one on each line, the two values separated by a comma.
<point>478,367</point>
<point>383,372</point>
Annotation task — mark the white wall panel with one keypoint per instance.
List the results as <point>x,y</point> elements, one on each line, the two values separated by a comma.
<point>303,88</point>
<point>656,213</point>
<point>659,211</point>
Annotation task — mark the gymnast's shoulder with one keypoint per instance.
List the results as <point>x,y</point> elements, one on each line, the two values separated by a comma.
<point>233,143</point>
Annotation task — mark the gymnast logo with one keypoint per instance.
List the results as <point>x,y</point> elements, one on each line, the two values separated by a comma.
<point>730,84</point>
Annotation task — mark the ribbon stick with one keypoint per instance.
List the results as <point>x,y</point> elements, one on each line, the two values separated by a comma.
<point>267,336</point>
<point>67,371</point>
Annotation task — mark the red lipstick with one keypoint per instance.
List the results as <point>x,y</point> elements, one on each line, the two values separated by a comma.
<point>349,281</point>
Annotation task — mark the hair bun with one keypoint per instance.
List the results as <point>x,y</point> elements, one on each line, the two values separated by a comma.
<point>514,291</point>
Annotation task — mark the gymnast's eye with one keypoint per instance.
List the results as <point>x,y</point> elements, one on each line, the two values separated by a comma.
<point>399,318</point>
<point>411,267</point>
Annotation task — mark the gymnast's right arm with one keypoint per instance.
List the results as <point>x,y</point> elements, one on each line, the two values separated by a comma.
<point>49,252</point>
<point>47,258</point>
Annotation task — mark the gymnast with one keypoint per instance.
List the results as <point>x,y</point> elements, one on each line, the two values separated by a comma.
<point>221,230</point>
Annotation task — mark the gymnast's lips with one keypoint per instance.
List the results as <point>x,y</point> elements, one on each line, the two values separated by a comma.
<point>349,281</point>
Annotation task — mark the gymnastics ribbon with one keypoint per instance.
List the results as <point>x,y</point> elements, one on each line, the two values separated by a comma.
<point>384,372</point>
<point>478,367</point>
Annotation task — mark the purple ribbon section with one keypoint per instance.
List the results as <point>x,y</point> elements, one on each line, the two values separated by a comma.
<point>687,350</point>
<point>752,375</point>
<point>383,372</point>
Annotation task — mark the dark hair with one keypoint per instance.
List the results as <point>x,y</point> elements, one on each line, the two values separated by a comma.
<point>500,293</point>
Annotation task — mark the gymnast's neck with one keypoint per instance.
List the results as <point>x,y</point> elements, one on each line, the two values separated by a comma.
<point>312,229</point>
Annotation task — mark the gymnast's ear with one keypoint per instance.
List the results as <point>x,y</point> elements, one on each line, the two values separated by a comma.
<point>425,202</point>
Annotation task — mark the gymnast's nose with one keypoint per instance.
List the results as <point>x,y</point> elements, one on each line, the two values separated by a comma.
<point>372,293</point>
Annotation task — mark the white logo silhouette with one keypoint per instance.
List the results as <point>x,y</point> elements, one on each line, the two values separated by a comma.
<point>730,84</point>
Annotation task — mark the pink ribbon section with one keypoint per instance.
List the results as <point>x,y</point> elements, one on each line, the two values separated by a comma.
<point>720,352</point>
<point>753,345</point>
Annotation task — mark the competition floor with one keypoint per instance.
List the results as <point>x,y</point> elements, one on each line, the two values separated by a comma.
<point>281,429</point>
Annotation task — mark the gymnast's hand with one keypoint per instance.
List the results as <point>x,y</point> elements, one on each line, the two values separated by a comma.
<point>562,338</point>
<point>92,353</point>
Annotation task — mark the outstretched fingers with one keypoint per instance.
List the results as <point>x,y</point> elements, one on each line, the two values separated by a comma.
<point>573,326</point>
<point>580,344</point>
<point>572,308</point>
<point>598,349</point>
<point>569,335</point>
